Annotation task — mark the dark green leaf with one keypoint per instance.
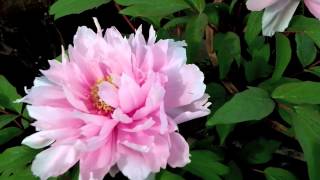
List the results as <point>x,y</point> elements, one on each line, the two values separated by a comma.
<point>283,55</point>
<point>306,123</point>
<point>66,7</point>
<point>306,25</point>
<point>254,26</point>
<point>213,14</point>
<point>217,94</point>
<point>235,172</point>
<point>251,104</point>
<point>15,161</point>
<point>9,133</point>
<point>205,165</point>
<point>228,49</point>
<point>306,50</point>
<point>257,68</point>
<point>167,175</point>
<point>199,5</point>
<point>176,21</point>
<point>306,92</point>
<point>315,70</point>
<point>259,151</point>
<point>224,130</point>
<point>6,119</point>
<point>273,173</point>
<point>8,94</point>
<point>232,5</point>
<point>194,35</point>
<point>154,10</point>
<point>269,85</point>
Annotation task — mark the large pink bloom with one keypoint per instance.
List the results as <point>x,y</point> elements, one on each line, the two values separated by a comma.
<point>278,13</point>
<point>114,104</point>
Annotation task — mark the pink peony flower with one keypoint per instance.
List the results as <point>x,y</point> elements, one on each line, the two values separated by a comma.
<point>113,105</point>
<point>278,13</point>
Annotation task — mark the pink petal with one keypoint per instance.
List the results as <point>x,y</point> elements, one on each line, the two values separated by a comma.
<point>179,151</point>
<point>130,96</point>
<point>95,165</point>
<point>109,94</point>
<point>258,5</point>
<point>120,116</point>
<point>198,108</point>
<point>314,7</point>
<point>154,98</point>
<point>184,87</point>
<point>54,161</point>
<point>133,167</point>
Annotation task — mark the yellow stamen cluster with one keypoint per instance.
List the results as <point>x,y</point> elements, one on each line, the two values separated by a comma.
<point>97,102</point>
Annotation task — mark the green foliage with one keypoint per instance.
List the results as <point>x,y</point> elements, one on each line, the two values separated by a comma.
<point>8,94</point>
<point>227,46</point>
<point>306,50</point>
<point>273,173</point>
<point>259,151</point>
<point>306,92</point>
<point>206,165</point>
<point>15,163</point>
<point>194,35</point>
<point>66,7</point>
<point>167,175</point>
<point>251,104</point>
<point>283,57</point>
<point>254,25</point>
<point>306,126</point>
<point>154,10</point>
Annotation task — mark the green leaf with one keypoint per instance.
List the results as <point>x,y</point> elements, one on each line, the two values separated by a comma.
<point>6,119</point>
<point>314,70</point>
<point>152,9</point>
<point>8,94</point>
<point>199,5</point>
<point>306,50</point>
<point>269,84</point>
<point>235,172</point>
<point>15,161</point>
<point>273,173</point>
<point>306,92</point>
<point>254,26</point>
<point>257,68</point>
<point>66,7</point>
<point>259,151</point>
<point>217,95</point>
<point>9,133</point>
<point>194,35</point>
<point>306,123</point>
<point>306,25</point>
<point>167,175</point>
<point>251,104</point>
<point>227,46</point>
<point>283,55</point>
<point>213,14</point>
<point>232,5</point>
<point>205,165</point>
<point>176,21</point>
<point>223,131</point>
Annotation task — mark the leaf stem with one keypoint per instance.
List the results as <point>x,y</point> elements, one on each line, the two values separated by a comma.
<point>125,17</point>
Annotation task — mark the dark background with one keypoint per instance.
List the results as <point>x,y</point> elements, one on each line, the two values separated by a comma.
<point>29,36</point>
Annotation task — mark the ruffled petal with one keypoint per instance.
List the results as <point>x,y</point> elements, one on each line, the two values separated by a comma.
<point>54,161</point>
<point>179,151</point>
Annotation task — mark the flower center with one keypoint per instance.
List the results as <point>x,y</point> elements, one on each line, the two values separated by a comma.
<point>98,103</point>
